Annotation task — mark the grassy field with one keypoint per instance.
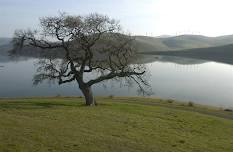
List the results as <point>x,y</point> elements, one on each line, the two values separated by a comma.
<point>117,124</point>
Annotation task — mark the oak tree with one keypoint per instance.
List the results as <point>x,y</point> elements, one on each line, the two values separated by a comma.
<point>93,44</point>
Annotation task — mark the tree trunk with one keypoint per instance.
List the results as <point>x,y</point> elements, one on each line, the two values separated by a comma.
<point>90,101</point>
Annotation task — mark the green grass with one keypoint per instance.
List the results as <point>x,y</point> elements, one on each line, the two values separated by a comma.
<point>115,125</point>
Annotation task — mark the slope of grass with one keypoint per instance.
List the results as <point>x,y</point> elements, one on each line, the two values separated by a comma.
<point>118,124</point>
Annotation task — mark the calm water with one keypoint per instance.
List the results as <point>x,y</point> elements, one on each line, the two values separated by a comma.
<point>202,82</point>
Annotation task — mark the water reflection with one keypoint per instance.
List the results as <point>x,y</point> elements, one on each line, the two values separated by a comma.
<point>207,83</point>
<point>188,80</point>
<point>172,59</point>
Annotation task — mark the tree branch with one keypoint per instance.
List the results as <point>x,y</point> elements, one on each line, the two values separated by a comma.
<point>113,75</point>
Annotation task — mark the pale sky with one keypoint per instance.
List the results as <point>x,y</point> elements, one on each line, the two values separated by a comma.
<point>139,17</point>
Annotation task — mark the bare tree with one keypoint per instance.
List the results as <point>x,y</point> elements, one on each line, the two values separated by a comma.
<point>92,44</point>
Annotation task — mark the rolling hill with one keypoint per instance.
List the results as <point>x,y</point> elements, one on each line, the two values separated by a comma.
<point>222,54</point>
<point>182,42</point>
<point>191,46</point>
<point>149,44</point>
<point>219,49</point>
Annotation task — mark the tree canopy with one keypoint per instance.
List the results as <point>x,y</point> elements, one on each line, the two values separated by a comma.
<point>92,44</point>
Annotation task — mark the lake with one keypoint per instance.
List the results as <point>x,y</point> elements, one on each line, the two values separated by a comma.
<point>208,83</point>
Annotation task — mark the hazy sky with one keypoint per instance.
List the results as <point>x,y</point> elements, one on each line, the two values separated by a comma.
<point>140,17</point>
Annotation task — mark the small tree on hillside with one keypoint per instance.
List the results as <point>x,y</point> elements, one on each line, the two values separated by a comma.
<point>92,44</point>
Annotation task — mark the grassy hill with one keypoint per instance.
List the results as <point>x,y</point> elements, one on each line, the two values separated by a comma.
<point>116,124</point>
<point>219,54</point>
<point>149,44</point>
<point>182,42</point>
<point>197,46</point>
<point>219,49</point>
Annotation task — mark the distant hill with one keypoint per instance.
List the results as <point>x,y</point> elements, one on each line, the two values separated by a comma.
<point>182,42</point>
<point>197,46</point>
<point>222,54</point>
<point>5,46</point>
<point>4,41</point>
<point>164,43</point>
<point>164,36</point>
